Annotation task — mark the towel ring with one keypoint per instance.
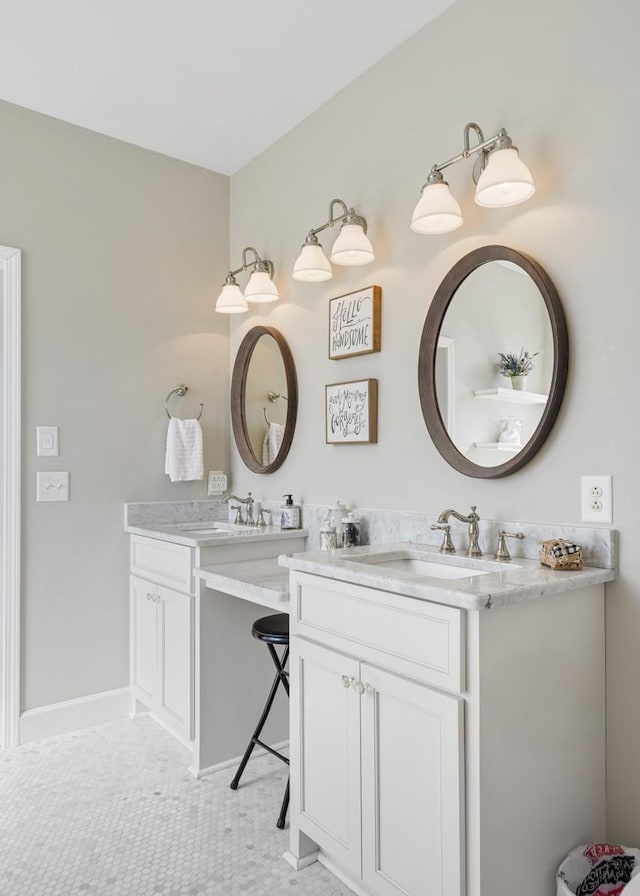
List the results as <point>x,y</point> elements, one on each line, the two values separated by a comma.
<point>180,390</point>
<point>266,419</point>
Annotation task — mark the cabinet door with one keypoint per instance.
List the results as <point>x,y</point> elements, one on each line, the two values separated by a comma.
<point>412,788</point>
<point>325,751</point>
<point>144,658</point>
<point>175,686</point>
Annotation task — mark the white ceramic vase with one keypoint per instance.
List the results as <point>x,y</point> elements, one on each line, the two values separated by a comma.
<point>519,383</point>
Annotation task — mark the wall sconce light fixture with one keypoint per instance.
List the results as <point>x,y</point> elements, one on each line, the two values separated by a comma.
<point>352,246</point>
<point>259,290</point>
<point>501,179</point>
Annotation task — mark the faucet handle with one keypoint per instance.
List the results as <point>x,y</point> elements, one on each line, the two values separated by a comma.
<point>447,546</point>
<point>238,520</point>
<point>502,552</point>
<point>261,520</point>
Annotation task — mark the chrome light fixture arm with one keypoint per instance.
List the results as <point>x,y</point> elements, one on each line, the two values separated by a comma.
<point>348,216</point>
<point>256,264</point>
<point>501,140</point>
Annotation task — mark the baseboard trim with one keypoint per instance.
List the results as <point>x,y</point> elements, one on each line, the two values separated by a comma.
<point>299,864</point>
<point>72,715</point>
<point>230,763</point>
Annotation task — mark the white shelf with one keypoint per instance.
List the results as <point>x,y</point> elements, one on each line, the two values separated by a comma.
<point>499,446</point>
<point>511,395</point>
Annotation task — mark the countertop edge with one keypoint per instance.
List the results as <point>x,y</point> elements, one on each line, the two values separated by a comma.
<point>491,591</point>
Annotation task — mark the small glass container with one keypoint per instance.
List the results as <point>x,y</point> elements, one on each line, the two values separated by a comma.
<point>328,538</point>
<point>334,518</point>
<point>350,531</point>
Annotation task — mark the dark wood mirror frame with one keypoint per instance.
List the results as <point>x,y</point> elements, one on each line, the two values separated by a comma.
<point>427,360</point>
<point>238,386</point>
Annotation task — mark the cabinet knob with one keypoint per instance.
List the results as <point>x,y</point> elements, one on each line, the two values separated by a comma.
<point>150,596</point>
<point>347,681</point>
<point>359,688</point>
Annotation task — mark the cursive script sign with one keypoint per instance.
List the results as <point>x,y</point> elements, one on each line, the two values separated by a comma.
<point>352,412</point>
<point>354,323</point>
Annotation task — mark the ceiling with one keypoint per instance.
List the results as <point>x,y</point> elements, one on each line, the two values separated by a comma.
<point>210,82</point>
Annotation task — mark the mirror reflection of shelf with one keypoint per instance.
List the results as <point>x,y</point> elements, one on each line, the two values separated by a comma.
<point>511,395</point>
<point>499,446</point>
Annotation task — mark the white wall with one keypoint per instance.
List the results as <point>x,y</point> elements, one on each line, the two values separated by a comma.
<point>562,77</point>
<point>123,253</point>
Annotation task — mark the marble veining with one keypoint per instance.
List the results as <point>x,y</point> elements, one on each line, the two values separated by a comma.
<point>599,546</point>
<point>149,513</point>
<point>261,581</point>
<point>499,585</point>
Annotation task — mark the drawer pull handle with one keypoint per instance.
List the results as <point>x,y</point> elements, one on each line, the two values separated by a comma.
<point>347,681</point>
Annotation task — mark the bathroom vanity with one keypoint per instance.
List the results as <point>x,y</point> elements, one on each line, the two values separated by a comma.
<point>447,719</point>
<point>193,664</point>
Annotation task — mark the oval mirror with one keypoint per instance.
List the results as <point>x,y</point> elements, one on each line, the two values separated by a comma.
<point>264,399</point>
<point>494,305</point>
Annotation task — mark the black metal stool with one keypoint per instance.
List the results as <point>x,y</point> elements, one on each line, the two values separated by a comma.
<point>273,630</point>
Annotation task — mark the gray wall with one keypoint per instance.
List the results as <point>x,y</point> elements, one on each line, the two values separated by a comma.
<point>562,77</point>
<point>124,252</point>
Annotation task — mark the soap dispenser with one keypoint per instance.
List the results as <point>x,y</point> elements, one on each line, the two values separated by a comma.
<point>289,514</point>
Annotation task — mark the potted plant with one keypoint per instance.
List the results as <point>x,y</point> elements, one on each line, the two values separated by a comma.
<point>517,367</point>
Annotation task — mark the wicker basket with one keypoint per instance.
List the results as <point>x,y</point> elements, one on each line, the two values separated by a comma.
<point>558,554</point>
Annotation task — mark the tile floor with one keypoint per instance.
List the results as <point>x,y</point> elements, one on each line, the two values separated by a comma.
<point>113,811</point>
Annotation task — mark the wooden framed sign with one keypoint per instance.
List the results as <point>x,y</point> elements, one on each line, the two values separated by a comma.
<point>351,412</point>
<point>354,323</point>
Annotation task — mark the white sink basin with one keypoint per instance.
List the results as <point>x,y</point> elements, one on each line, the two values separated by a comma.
<point>419,566</point>
<point>214,528</point>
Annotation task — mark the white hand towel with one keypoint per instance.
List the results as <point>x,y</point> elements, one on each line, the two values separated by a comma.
<point>272,441</point>
<point>184,459</point>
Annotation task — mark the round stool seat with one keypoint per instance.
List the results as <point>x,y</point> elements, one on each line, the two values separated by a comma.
<point>272,629</point>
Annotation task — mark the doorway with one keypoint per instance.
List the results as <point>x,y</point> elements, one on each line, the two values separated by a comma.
<point>10,421</point>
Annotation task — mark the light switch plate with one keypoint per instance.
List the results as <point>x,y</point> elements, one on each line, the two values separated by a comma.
<point>47,441</point>
<point>52,487</point>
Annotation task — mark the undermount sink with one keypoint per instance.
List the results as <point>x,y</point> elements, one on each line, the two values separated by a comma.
<point>419,566</point>
<point>213,528</point>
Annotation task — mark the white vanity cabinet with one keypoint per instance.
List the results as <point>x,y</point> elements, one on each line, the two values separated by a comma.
<point>438,751</point>
<point>378,755</point>
<point>162,618</point>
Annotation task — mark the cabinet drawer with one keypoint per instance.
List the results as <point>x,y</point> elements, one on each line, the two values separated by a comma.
<point>162,562</point>
<point>414,637</point>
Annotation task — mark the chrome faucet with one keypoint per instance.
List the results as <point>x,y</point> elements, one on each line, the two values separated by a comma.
<point>248,520</point>
<point>472,519</point>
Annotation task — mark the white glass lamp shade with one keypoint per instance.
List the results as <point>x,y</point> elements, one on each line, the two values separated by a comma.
<point>437,210</point>
<point>506,180</point>
<point>312,265</point>
<point>261,289</point>
<point>352,246</point>
<point>231,300</point>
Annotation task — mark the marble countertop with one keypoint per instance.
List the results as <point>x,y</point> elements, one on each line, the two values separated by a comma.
<point>204,533</point>
<point>262,582</point>
<point>496,584</point>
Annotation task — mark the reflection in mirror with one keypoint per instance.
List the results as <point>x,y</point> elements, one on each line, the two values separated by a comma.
<point>497,309</point>
<point>493,301</point>
<point>266,416</point>
<point>264,399</point>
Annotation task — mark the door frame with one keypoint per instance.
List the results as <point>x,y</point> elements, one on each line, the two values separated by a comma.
<point>10,413</point>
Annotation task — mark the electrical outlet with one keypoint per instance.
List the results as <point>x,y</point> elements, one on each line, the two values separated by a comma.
<point>596,499</point>
<point>216,482</point>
